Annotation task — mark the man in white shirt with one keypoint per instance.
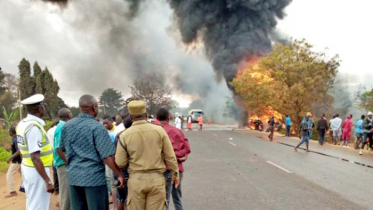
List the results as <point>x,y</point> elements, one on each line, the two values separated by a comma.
<point>336,127</point>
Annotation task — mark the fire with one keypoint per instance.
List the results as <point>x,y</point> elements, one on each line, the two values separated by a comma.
<point>264,117</point>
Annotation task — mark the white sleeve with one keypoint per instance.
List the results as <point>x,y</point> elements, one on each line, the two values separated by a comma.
<point>34,138</point>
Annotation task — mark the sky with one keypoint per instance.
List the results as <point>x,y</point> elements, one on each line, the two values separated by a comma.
<point>73,43</point>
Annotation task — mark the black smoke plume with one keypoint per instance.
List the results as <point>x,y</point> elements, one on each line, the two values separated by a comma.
<point>232,30</point>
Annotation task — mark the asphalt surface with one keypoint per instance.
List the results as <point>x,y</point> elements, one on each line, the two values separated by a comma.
<point>242,170</point>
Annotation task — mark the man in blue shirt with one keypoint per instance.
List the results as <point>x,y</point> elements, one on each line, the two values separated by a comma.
<point>359,133</point>
<point>59,159</point>
<point>88,147</point>
<point>288,125</point>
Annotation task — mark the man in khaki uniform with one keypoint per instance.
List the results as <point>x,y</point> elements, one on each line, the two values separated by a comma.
<point>143,150</point>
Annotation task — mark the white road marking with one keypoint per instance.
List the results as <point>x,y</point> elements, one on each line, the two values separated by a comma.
<point>279,167</point>
<point>232,143</point>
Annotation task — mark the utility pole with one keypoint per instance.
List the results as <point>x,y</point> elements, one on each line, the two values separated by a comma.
<point>20,105</point>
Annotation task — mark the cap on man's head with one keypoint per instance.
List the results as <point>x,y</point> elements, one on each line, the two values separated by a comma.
<point>136,107</point>
<point>309,114</point>
<point>370,113</point>
<point>35,99</point>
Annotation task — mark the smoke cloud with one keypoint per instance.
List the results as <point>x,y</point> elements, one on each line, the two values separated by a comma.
<point>92,45</point>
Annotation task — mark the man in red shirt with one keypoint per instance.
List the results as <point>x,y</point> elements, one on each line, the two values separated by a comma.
<point>181,147</point>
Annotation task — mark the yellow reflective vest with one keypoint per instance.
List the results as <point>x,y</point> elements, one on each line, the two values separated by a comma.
<point>46,153</point>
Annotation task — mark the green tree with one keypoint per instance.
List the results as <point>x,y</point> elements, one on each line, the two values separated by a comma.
<point>75,111</point>
<point>153,89</point>
<point>42,82</point>
<point>366,100</point>
<point>26,81</point>
<point>111,101</point>
<point>291,79</point>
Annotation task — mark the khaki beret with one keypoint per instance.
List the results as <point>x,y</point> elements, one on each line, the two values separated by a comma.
<point>136,107</point>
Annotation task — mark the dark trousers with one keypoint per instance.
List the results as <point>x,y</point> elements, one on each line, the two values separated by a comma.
<point>55,179</point>
<point>322,135</point>
<point>288,130</point>
<point>89,198</point>
<point>171,190</point>
<point>366,137</point>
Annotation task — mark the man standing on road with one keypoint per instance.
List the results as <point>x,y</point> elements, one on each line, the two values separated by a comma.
<point>311,123</point>
<point>37,155</point>
<point>144,149</point>
<point>336,127</point>
<point>59,159</point>
<point>88,147</point>
<point>181,147</point>
<point>15,166</point>
<point>288,125</point>
<point>368,133</point>
<point>200,121</point>
<point>347,127</point>
<point>359,133</point>
<point>271,127</point>
<point>305,129</point>
<point>322,128</point>
<point>108,122</point>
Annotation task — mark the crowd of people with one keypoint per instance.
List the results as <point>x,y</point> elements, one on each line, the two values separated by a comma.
<point>340,131</point>
<point>122,159</point>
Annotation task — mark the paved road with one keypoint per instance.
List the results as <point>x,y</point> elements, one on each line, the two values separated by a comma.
<point>241,170</point>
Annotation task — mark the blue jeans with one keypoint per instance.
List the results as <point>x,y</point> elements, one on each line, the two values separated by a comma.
<point>305,139</point>
<point>322,135</point>
<point>176,193</point>
<point>288,130</point>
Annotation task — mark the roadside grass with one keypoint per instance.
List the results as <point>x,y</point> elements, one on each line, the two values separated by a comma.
<point>4,154</point>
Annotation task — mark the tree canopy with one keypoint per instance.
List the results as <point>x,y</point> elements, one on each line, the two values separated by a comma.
<point>41,81</point>
<point>111,101</point>
<point>153,89</point>
<point>367,100</point>
<point>292,79</point>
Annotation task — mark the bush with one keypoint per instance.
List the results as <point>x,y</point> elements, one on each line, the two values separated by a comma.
<point>4,154</point>
<point>5,139</point>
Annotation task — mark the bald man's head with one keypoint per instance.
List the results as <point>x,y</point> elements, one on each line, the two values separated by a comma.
<point>88,104</point>
<point>65,114</point>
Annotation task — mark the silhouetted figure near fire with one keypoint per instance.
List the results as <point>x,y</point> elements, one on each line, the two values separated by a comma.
<point>271,124</point>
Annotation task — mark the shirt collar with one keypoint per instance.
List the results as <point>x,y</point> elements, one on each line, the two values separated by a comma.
<point>164,123</point>
<point>84,115</point>
<point>138,122</point>
<point>35,118</point>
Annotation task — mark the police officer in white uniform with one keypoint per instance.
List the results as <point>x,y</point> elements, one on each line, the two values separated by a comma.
<point>37,155</point>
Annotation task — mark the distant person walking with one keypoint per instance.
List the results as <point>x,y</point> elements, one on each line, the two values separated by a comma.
<point>288,125</point>
<point>15,164</point>
<point>305,137</point>
<point>347,127</point>
<point>88,147</point>
<point>271,127</point>
<point>182,149</point>
<point>359,133</point>
<point>59,160</point>
<point>322,128</point>
<point>37,154</point>
<point>143,150</point>
<point>336,127</point>
<point>368,131</point>
<point>200,121</point>
<point>311,123</point>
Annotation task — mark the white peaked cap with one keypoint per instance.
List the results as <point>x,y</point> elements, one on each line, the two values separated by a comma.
<point>37,98</point>
<point>370,113</point>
